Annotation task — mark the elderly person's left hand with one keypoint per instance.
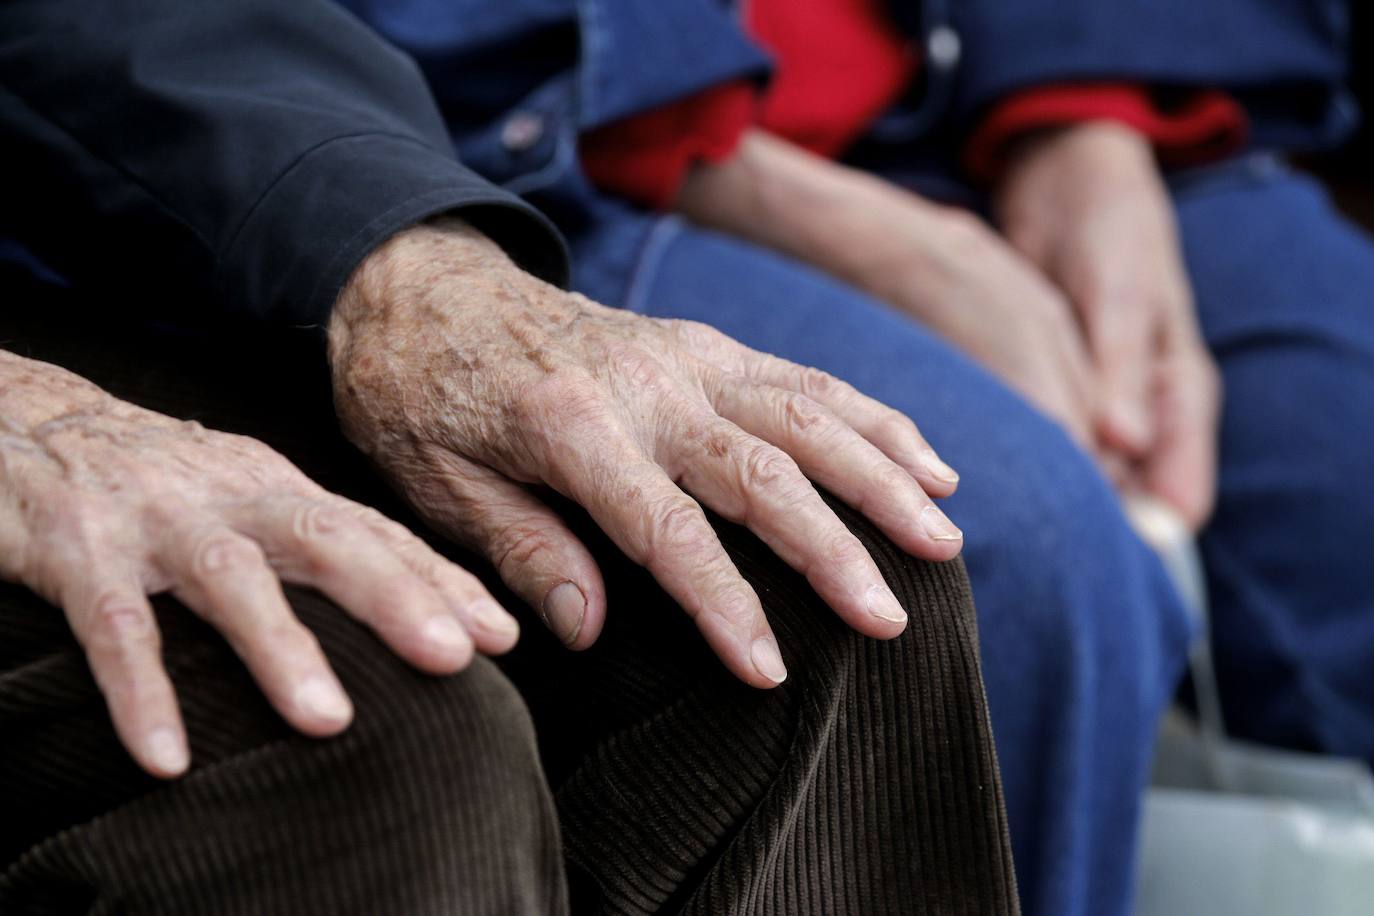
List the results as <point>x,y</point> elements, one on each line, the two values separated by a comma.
<point>1087,205</point>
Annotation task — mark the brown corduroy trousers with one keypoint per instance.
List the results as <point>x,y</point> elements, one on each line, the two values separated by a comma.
<point>637,777</point>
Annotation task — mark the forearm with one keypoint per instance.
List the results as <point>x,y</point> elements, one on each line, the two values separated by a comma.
<point>836,218</point>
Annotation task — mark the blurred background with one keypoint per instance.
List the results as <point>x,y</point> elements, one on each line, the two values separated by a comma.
<point>1349,171</point>
<point>1233,828</point>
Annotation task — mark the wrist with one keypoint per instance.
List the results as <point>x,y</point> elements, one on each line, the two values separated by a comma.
<point>782,197</point>
<point>1055,177</point>
<point>1106,140</point>
<point>1089,148</point>
<point>396,273</point>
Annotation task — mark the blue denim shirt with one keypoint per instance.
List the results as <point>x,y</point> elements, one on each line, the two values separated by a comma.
<point>519,79</point>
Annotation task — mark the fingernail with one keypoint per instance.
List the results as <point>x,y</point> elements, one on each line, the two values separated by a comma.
<point>938,526</point>
<point>320,699</point>
<point>491,617</point>
<point>446,634</point>
<point>565,607</point>
<point>883,604</point>
<point>768,660</point>
<point>166,751</point>
<point>937,468</point>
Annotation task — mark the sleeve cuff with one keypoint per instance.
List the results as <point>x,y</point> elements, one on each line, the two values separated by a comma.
<point>1207,125</point>
<point>646,158</point>
<point>288,261</point>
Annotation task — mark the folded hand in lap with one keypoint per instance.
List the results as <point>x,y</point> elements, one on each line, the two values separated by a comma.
<point>1084,306</point>
<point>942,265</point>
<point>1087,206</point>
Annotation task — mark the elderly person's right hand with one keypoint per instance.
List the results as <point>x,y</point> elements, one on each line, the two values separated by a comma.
<point>469,382</point>
<point>103,503</point>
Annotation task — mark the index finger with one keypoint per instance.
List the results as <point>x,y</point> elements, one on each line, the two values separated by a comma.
<point>892,431</point>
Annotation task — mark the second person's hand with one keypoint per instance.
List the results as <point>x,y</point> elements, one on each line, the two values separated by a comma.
<point>943,266</point>
<point>1088,207</point>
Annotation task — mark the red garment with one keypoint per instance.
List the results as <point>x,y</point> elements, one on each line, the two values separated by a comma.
<point>1209,125</point>
<point>839,64</point>
<point>646,158</point>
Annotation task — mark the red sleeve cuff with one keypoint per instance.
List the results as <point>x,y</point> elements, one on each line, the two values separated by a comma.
<point>646,158</point>
<point>1207,126</point>
<point>840,64</point>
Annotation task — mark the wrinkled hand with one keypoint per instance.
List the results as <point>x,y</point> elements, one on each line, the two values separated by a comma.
<point>943,266</point>
<point>956,276</point>
<point>1086,204</point>
<point>103,503</point>
<point>468,381</point>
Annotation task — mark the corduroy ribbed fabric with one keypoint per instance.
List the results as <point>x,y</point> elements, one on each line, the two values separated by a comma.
<point>865,785</point>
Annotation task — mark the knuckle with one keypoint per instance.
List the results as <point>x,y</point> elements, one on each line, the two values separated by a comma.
<point>222,553</point>
<point>638,369</point>
<point>694,334</point>
<point>373,520</point>
<point>803,415</point>
<point>386,528</point>
<point>895,426</point>
<point>314,522</point>
<point>252,452</point>
<point>819,384</point>
<point>120,619</point>
<point>767,467</point>
<point>889,479</point>
<point>561,397</point>
<point>844,549</point>
<point>253,448</point>
<point>518,546</point>
<point>679,525</point>
<point>737,605</point>
<point>195,430</point>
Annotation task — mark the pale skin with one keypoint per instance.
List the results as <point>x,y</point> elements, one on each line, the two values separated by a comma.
<point>1081,304</point>
<point>103,503</point>
<point>1088,207</point>
<point>470,384</point>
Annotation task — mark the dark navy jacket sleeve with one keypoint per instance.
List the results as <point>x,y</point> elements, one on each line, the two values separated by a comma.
<point>1284,59</point>
<point>251,152</point>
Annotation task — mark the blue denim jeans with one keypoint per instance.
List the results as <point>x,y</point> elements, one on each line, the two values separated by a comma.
<point>1083,638</point>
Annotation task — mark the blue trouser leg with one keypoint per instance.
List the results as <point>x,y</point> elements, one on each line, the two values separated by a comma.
<point>1285,292</point>
<point>1082,636</point>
